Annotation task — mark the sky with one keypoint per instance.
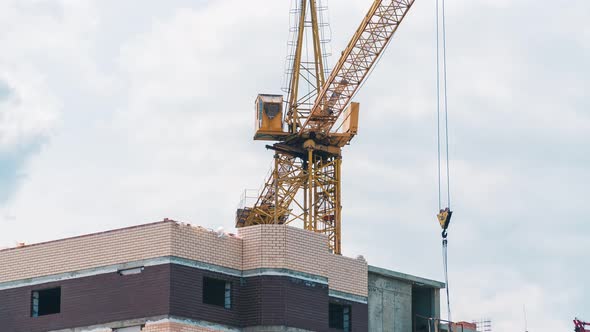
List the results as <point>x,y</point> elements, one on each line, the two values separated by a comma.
<point>118,113</point>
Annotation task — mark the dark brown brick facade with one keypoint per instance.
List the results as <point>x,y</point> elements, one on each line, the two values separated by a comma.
<point>91,300</point>
<point>359,314</point>
<point>265,300</point>
<point>177,290</point>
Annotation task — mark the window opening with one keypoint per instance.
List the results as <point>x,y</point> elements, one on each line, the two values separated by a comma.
<point>45,302</point>
<point>340,316</point>
<point>217,292</point>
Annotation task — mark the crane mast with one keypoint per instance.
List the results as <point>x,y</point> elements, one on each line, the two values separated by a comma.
<point>305,184</point>
<point>297,112</point>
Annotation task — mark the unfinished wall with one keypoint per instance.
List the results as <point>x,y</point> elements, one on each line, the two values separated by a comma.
<point>258,247</point>
<point>200,244</point>
<point>283,247</point>
<point>348,275</point>
<point>277,246</point>
<point>263,247</point>
<point>88,251</point>
<point>390,304</point>
<point>160,239</point>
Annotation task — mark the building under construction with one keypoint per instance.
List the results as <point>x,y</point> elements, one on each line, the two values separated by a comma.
<point>174,277</point>
<point>283,270</point>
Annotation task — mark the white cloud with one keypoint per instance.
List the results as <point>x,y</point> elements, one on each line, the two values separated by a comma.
<point>492,291</point>
<point>175,145</point>
<point>28,111</point>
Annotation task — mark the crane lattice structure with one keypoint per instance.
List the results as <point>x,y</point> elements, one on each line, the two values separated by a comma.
<point>305,183</point>
<point>580,326</point>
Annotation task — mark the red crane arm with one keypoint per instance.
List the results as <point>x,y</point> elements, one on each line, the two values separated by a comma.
<point>579,325</point>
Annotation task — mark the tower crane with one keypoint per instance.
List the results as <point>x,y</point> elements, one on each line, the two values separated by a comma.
<point>311,127</point>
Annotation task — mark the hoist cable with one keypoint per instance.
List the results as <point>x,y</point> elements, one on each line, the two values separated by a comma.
<point>445,264</point>
<point>444,40</point>
<point>438,107</point>
<point>440,13</point>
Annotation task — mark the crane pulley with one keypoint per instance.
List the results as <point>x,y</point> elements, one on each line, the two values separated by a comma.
<point>444,219</point>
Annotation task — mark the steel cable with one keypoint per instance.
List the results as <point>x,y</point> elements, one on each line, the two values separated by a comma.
<point>440,13</point>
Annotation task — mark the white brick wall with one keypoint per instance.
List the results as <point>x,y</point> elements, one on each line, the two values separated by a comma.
<point>278,246</point>
<point>84,252</point>
<point>348,275</point>
<point>261,246</point>
<point>202,245</point>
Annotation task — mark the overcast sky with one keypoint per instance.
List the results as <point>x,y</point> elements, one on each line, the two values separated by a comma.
<point>117,113</point>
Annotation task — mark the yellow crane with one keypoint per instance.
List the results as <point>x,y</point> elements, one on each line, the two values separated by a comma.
<point>311,127</point>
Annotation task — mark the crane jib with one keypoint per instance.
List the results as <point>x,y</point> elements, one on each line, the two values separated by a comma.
<point>356,62</point>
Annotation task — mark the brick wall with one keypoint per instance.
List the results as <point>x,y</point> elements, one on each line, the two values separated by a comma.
<point>175,290</point>
<point>307,251</point>
<point>261,246</point>
<point>84,252</point>
<point>348,275</point>
<point>186,296</point>
<point>280,301</point>
<point>359,316</point>
<point>90,301</point>
<point>160,239</point>
<point>174,327</point>
<point>277,246</point>
<point>200,244</point>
